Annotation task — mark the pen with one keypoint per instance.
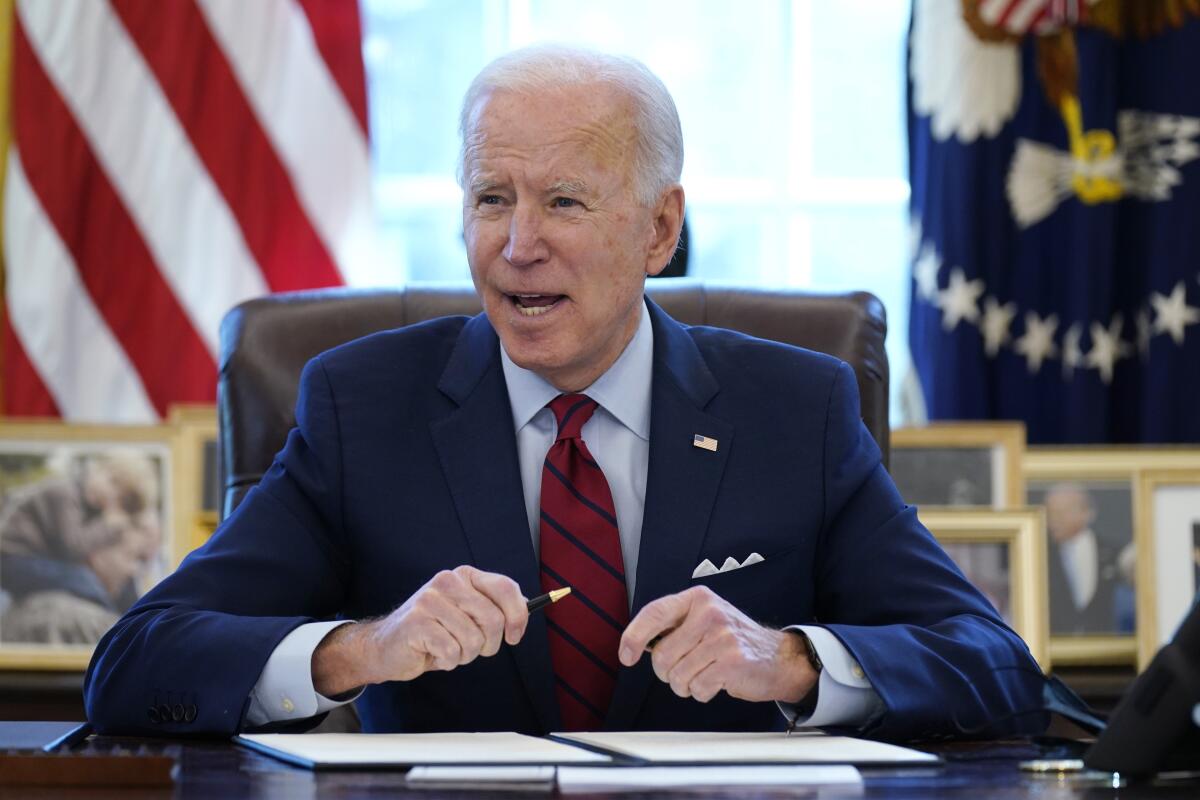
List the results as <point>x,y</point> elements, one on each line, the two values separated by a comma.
<point>70,738</point>
<point>543,600</point>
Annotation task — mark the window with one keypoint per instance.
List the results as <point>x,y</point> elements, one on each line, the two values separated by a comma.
<point>793,123</point>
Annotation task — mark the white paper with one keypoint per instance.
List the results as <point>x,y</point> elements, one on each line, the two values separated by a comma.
<point>805,747</point>
<point>503,777</point>
<point>589,779</point>
<point>400,749</point>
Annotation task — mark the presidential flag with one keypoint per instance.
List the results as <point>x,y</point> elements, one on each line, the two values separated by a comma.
<point>1055,166</point>
<point>166,161</point>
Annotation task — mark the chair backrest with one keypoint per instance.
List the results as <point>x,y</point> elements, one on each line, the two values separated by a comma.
<point>266,342</point>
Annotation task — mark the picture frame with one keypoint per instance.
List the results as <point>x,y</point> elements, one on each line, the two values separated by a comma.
<point>198,498</point>
<point>1167,504</point>
<point>1009,564</point>
<point>87,525</point>
<point>960,464</point>
<point>1109,476</point>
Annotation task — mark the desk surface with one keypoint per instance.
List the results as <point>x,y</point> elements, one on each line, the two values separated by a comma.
<point>220,769</point>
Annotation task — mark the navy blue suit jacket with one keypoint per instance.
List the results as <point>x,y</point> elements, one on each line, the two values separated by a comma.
<point>403,463</point>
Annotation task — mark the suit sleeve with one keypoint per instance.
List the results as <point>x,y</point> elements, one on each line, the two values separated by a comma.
<point>931,645</point>
<point>186,657</point>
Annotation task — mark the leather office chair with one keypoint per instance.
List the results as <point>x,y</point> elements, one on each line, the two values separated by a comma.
<point>266,342</point>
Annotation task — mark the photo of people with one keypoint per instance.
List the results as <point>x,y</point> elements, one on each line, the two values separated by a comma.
<point>986,565</point>
<point>945,476</point>
<point>83,534</point>
<point>1091,559</point>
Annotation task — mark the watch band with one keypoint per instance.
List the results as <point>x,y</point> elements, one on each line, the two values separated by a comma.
<point>808,704</point>
<point>810,651</point>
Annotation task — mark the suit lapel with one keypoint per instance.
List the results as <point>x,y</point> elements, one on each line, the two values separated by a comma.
<point>478,451</point>
<point>681,486</point>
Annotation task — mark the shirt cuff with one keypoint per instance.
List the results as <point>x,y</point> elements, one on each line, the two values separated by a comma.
<point>285,692</point>
<point>844,695</point>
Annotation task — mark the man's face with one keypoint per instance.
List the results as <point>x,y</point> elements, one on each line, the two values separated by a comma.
<point>558,245</point>
<point>1068,512</point>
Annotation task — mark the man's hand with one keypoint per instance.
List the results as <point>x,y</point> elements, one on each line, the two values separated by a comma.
<point>708,645</point>
<point>453,619</point>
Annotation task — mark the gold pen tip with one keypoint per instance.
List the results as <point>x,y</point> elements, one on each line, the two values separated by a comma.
<point>559,594</point>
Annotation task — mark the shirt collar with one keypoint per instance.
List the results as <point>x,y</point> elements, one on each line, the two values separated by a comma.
<point>623,390</point>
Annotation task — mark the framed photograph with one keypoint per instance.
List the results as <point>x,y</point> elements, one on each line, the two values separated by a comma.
<point>1092,558</point>
<point>86,527</point>
<point>1168,548</point>
<point>197,481</point>
<point>960,464</point>
<point>1003,553</point>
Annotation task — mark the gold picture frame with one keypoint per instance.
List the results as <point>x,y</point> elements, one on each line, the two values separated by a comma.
<point>1021,596</point>
<point>946,463</point>
<point>198,494</point>
<point>87,525</point>
<point>1111,473</point>
<point>1167,507</point>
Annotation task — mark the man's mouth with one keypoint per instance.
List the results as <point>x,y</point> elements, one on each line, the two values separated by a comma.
<point>531,305</point>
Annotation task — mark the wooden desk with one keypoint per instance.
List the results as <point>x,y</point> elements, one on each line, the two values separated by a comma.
<point>976,771</point>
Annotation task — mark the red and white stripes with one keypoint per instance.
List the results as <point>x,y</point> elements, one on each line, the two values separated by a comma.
<point>170,160</point>
<point>1033,16</point>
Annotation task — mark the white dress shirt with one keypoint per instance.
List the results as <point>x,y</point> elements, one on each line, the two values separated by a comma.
<point>618,437</point>
<point>1080,557</point>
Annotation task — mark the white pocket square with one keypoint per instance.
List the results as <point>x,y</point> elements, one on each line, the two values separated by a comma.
<point>706,567</point>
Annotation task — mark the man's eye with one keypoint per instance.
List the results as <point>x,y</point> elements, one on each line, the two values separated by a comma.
<point>565,202</point>
<point>489,200</point>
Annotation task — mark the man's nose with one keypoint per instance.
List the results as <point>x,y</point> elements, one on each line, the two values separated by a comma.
<point>526,244</point>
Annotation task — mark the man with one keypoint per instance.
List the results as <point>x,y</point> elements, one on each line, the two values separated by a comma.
<point>1084,578</point>
<point>573,434</point>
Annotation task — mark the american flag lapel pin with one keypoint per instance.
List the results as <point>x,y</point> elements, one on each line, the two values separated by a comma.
<point>704,443</point>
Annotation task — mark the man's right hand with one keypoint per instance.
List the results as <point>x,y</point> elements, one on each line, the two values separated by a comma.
<point>453,619</point>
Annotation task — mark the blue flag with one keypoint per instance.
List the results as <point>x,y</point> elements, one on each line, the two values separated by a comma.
<point>1054,155</point>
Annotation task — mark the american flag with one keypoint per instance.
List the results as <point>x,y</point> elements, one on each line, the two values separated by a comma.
<point>1020,17</point>
<point>168,160</point>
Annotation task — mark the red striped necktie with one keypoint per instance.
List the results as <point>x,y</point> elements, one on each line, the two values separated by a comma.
<point>580,548</point>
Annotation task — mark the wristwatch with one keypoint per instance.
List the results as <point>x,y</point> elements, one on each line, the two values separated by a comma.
<point>804,709</point>
<point>810,651</point>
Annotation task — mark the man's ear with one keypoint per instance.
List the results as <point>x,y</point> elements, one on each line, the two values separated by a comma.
<point>667,222</point>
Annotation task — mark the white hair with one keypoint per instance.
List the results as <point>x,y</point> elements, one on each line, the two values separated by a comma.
<point>658,151</point>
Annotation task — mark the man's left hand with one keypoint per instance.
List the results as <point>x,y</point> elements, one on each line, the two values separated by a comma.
<point>708,645</point>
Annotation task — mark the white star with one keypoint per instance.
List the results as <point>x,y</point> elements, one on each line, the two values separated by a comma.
<point>996,321</point>
<point>1143,332</point>
<point>925,272</point>
<point>1107,347</point>
<point>959,300</point>
<point>1173,314</point>
<point>1038,342</point>
<point>1072,355</point>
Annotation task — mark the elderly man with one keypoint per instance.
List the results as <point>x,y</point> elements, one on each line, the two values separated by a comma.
<point>575,435</point>
<point>1084,577</point>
